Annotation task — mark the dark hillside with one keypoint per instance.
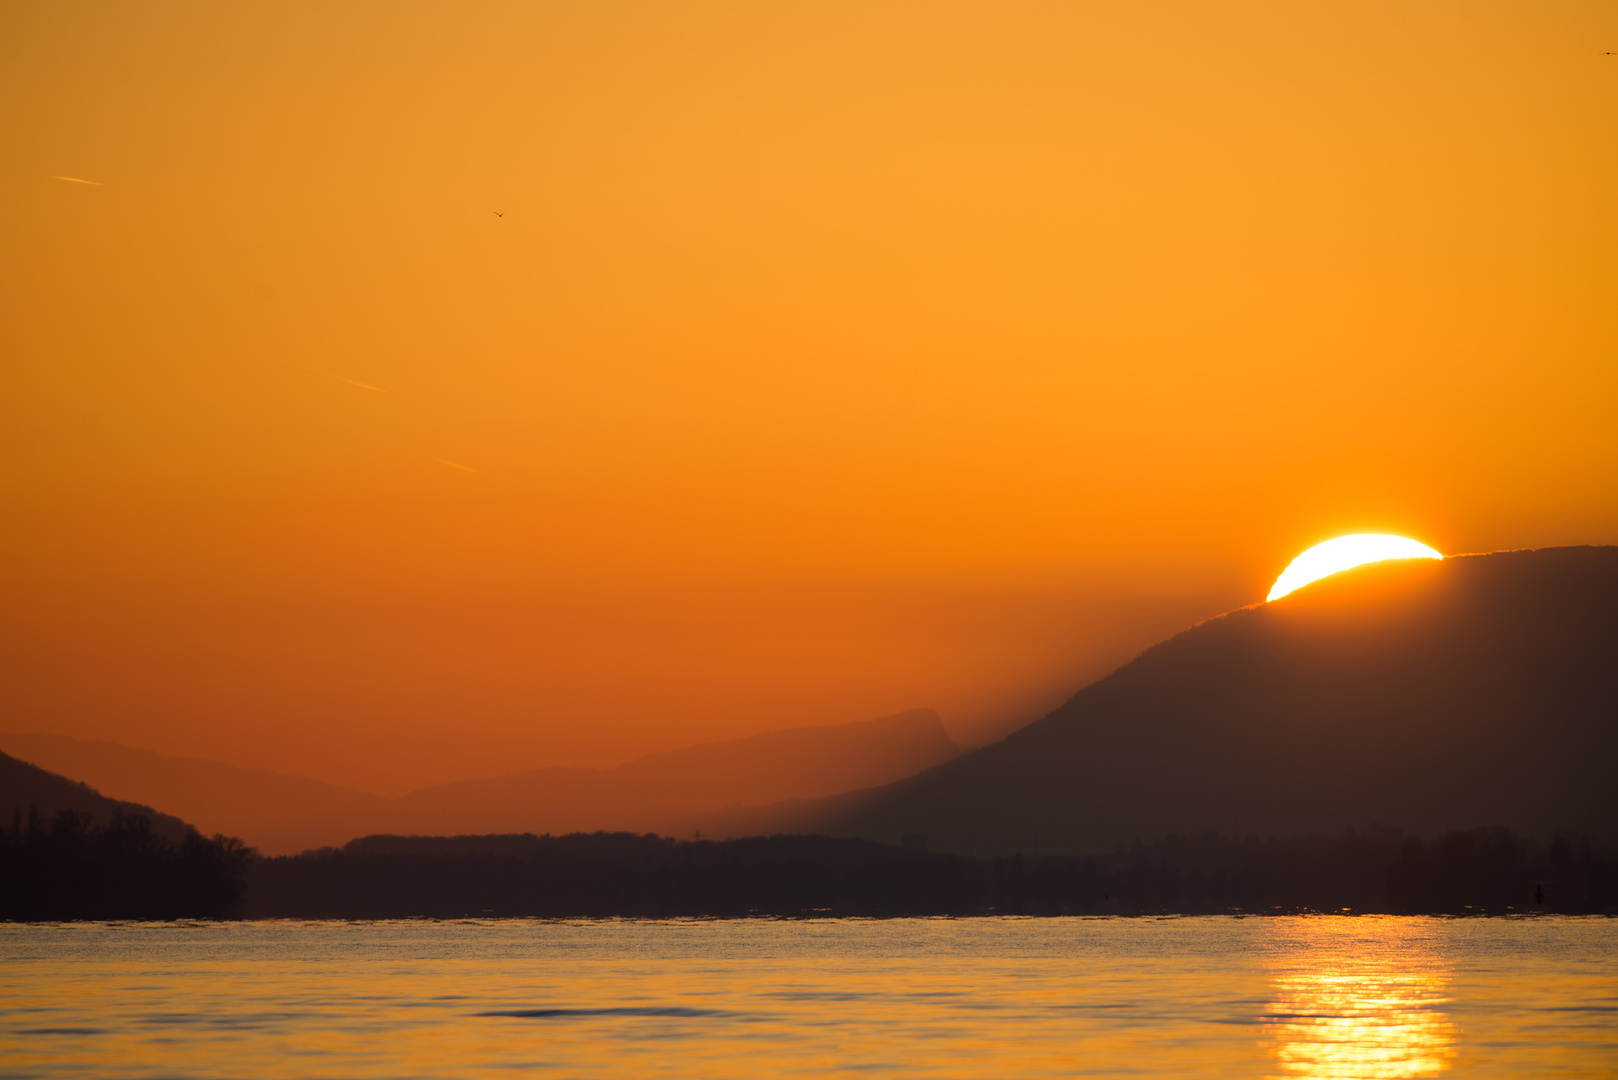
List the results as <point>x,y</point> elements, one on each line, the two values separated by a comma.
<point>25,788</point>
<point>1426,696</point>
<point>68,853</point>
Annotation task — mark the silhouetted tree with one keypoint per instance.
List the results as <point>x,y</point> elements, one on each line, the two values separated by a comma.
<point>72,869</point>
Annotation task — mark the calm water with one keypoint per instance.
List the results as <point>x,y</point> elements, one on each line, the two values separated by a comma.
<point>1210,997</point>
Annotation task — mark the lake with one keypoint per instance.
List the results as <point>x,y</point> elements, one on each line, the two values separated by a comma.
<point>984,997</point>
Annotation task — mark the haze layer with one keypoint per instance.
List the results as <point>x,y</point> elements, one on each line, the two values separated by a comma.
<point>823,361</point>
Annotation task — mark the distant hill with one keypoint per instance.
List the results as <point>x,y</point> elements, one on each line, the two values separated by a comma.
<point>668,792</point>
<point>25,788</point>
<point>672,793</point>
<point>273,812</point>
<point>66,852</point>
<point>1429,696</point>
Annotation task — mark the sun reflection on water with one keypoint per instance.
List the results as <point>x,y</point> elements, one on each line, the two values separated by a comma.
<point>1366,1009</point>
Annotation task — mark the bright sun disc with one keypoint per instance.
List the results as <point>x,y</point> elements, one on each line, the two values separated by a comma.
<point>1343,553</point>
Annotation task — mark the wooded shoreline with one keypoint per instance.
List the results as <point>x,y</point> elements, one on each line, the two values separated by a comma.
<point>69,869</point>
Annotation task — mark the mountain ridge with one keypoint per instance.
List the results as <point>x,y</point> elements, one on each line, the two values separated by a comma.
<point>1427,695</point>
<point>26,789</point>
<point>674,787</point>
<point>669,792</point>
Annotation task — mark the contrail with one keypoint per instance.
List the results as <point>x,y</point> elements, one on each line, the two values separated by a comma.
<point>451,464</point>
<point>76,180</point>
<point>351,382</point>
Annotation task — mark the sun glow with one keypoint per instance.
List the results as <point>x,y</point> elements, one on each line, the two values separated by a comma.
<point>1343,553</point>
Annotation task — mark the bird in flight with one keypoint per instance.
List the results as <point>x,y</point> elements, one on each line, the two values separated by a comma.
<point>498,214</point>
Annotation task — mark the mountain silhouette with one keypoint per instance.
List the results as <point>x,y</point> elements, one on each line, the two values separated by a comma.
<point>67,852</point>
<point>1428,696</point>
<point>26,788</point>
<point>274,812</point>
<point>669,792</point>
<point>1423,695</point>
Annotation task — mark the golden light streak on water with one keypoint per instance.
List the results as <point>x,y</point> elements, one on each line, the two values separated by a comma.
<point>1366,1024</point>
<point>1361,999</point>
<point>921,999</point>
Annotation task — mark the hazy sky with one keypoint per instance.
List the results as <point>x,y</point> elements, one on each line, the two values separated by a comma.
<point>828,360</point>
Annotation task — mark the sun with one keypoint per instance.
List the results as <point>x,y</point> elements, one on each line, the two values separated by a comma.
<point>1343,553</point>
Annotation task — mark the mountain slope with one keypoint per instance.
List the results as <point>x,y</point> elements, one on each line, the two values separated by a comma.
<point>666,792</point>
<point>25,787</point>
<point>274,812</point>
<point>1480,690</point>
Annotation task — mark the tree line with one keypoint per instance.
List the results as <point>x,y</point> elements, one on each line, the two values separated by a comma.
<point>1482,871</point>
<point>71,868</point>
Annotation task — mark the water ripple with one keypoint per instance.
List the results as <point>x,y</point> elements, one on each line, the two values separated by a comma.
<point>625,1010</point>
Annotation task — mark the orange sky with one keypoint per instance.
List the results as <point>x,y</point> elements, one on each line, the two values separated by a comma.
<point>828,360</point>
